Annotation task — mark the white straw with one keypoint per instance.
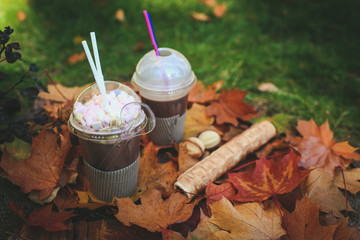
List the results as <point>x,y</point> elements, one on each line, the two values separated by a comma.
<point>96,53</point>
<point>98,77</point>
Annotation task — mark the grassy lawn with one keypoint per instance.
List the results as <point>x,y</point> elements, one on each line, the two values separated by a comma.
<point>309,49</point>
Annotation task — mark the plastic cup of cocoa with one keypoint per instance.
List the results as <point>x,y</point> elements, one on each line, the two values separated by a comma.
<point>164,83</point>
<point>109,136</point>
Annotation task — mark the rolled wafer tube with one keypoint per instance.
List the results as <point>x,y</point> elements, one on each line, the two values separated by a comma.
<point>224,158</point>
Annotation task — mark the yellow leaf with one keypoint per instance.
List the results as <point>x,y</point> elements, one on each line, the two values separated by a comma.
<point>196,120</point>
<point>120,15</point>
<point>77,39</point>
<point>88,200</point>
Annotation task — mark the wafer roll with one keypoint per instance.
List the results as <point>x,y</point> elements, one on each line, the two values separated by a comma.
<point>224,158</point>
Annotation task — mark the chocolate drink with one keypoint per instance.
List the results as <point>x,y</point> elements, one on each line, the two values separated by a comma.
<point>164,109</point>
<point>108,157</point>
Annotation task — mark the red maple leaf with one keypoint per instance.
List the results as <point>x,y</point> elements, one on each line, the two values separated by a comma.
<point>41,171</point>
<point>268,179</point>
<point>318,149</point>
<point>230,106</point>
<point>217,192</point>
<point>45,217</point>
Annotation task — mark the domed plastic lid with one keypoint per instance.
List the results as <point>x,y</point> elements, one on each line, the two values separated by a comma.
<point>100,123</point>
<point>168,76</point>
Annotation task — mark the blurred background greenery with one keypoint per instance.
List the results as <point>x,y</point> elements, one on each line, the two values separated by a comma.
<point>309,49</point>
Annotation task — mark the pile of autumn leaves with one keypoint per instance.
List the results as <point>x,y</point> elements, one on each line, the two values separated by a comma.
<point>293,187</point>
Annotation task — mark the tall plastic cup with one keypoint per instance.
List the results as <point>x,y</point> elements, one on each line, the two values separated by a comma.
<point>111,145</point>
<point>164,83</point>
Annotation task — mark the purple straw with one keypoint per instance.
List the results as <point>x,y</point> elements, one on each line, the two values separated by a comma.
<point>151,33</point>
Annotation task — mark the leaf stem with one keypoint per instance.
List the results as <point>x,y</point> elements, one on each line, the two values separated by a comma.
<point>54,83</point>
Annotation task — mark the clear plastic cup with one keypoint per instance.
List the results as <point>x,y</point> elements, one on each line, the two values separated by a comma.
<point>164,83</point>
<point>111,153</point>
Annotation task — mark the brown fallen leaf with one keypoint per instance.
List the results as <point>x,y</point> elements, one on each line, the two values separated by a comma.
<point>204,228</point>
<point>139,46</point>
<point>201,94</point>
<point>196,121</point>
<point>88,200</point>
<point>210,3</point>
<point>245,221</point>
<point>45,217</point>
<point>77,39</point>
<point>153,174</point>
<point>21,16</point>
<point>320,188</point>
<point>185,161</point>
<point>120,15</point>
<point>303,222</point>
<point>267,87</point>
<point>201,17</point>
<point>230,106</point>
<point>219,10</point>
<point>41,171</point>
<point>154,213</point>
<point>60,93</point>
<point>76,57</point>
<point>352,180</point>
<point>318,149</point>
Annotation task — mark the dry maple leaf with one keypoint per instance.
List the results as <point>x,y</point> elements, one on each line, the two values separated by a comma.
<point>201,17</point>
<point>120,15</point>
<point>21,16</point>
<point>303,222</point>
<point>204,228</point>
<point>268,179</point>
<point>153,174</point>
<point>320,187</point>
<point>245,221</point>
<point>185,161</point>
<point>88,200</point>
<point>154,212</point>
<point>318,149</point>
<point>60,93</point>
<point>219,10</point>
<point>41,171</point>
<point>217,192</point>
<point>352,180</point>
<point>196,121</point>
<point>201,94</point>
<point>45,217</point>
<point>76,57</point>
<point>230,106</point>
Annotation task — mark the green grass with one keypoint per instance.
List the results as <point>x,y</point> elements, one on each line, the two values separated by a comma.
<point>309,49</point>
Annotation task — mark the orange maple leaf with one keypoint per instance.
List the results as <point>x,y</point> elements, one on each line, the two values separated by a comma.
<point>154,212</point>
<point>76,57</point>
<point>318,149</point>
<point>303,222</point>
<point>201,94</point>
<point>41,171</point>
<point>153,174</point>
<point>219,10</point>
<point>268,179</point>
<point>230,106</point>
<point>45,217</point>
